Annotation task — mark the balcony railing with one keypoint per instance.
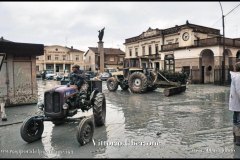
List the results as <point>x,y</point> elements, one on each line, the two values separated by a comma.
<point>203,43</point>
<point>217,41</point>
<point>170,47</point>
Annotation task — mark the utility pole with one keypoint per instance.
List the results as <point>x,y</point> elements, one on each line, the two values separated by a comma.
<point>223,59</point>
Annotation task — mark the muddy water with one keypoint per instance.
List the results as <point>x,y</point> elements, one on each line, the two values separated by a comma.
<point>194,124</point>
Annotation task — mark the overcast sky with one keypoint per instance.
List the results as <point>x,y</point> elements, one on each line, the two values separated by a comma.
<point>77,23</point>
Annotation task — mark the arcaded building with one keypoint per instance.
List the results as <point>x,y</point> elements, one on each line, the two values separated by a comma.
<point>194,49</point>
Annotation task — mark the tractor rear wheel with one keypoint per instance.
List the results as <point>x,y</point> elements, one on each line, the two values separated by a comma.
<point>138,82</point>
<point>99,109</point>
<point>112,84</point>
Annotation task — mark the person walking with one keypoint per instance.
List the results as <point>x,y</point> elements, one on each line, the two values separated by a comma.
<point>234,102</point>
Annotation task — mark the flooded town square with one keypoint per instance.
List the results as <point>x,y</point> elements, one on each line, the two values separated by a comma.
<point>193,124</point>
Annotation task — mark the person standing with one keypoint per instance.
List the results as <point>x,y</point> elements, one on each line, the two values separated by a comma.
<point>234,102</point>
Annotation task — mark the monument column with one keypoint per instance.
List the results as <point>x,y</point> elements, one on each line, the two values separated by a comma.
<point>101,50</point>
<point>101,54</point>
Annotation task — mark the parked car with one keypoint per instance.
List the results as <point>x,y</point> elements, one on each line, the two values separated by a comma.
<point>49,75</point>
<point>110,70</point>
<point>105,75</point>
<point>58,76</point>
<point>90,74</point>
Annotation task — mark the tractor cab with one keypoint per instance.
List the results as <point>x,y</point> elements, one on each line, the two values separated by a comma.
<point>135,64</point>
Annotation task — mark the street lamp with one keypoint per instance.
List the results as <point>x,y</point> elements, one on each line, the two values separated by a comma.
<point>223,60</point>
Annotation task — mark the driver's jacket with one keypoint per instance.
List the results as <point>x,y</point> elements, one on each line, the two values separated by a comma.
<point>78,78</point>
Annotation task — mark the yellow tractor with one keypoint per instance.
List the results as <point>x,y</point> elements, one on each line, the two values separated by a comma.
<point>139,77</point>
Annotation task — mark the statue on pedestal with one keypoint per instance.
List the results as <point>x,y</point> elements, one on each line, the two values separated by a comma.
<point>101,33</point>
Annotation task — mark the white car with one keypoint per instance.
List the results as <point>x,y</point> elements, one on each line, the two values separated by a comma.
<point>50,75</point>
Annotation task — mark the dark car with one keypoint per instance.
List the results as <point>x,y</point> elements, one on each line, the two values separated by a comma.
<point>105,75</point>
<point>90,74</point>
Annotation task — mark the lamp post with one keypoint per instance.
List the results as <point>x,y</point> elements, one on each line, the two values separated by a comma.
<point>223,60</point>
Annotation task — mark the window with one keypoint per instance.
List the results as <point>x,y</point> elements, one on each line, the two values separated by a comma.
<point>56,57</point>
<point>89,59</point>
<point>143,50</point>
<point>48,57</point>
<point>169,63</point>
<point>156,48</point>
<point>77,57</point>
<point>111,59</point>
<point>64,57</point>
<point>37,58</point>
<point>150,50</point>
<point>136,52</point>
<point>130,52</point>
<point>121,59</point>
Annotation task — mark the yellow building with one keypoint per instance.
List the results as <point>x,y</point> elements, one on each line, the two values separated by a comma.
<point>194,49</point>
<point>59,59</point>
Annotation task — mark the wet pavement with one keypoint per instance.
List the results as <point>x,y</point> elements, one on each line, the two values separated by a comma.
<point>194,124</point>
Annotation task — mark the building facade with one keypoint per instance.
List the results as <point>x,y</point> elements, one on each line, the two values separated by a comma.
<point>113,58</point>
<point>194,49</point>
<point>59,59</point>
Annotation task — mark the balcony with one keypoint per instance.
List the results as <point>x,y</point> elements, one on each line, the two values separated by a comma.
<point>169,47</point>
<point>203,43</point>
<point>217,41</point>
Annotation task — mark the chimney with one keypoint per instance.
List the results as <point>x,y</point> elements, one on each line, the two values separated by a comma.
<point>71,47</point>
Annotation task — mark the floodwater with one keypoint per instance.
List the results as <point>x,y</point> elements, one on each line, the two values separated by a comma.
<point>194,124</point>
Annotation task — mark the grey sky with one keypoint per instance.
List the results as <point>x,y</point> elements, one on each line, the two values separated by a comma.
<point>77,23</point>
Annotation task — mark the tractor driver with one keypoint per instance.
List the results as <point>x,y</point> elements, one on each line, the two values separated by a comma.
<point>77,77</point>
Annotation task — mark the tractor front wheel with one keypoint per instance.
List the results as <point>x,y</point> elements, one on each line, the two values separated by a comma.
<point>31,129</point>
<point>112,84</point>
<point>85,131</point>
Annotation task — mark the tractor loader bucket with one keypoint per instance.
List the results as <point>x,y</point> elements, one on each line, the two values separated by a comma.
<point>174,90</point>
<point>171,88</point>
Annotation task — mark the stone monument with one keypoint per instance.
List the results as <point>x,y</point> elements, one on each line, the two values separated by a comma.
<point>100,49</point>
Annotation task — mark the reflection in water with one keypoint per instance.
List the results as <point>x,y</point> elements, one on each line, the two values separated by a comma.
<point>50,151</point>
<point>196,123</point>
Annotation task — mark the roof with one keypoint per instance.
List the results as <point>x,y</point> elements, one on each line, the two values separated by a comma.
<point>21,49</point>
<point>71,49</point>
<point>175,29</point>
<point>107,51</point>
<point>4,40</point>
